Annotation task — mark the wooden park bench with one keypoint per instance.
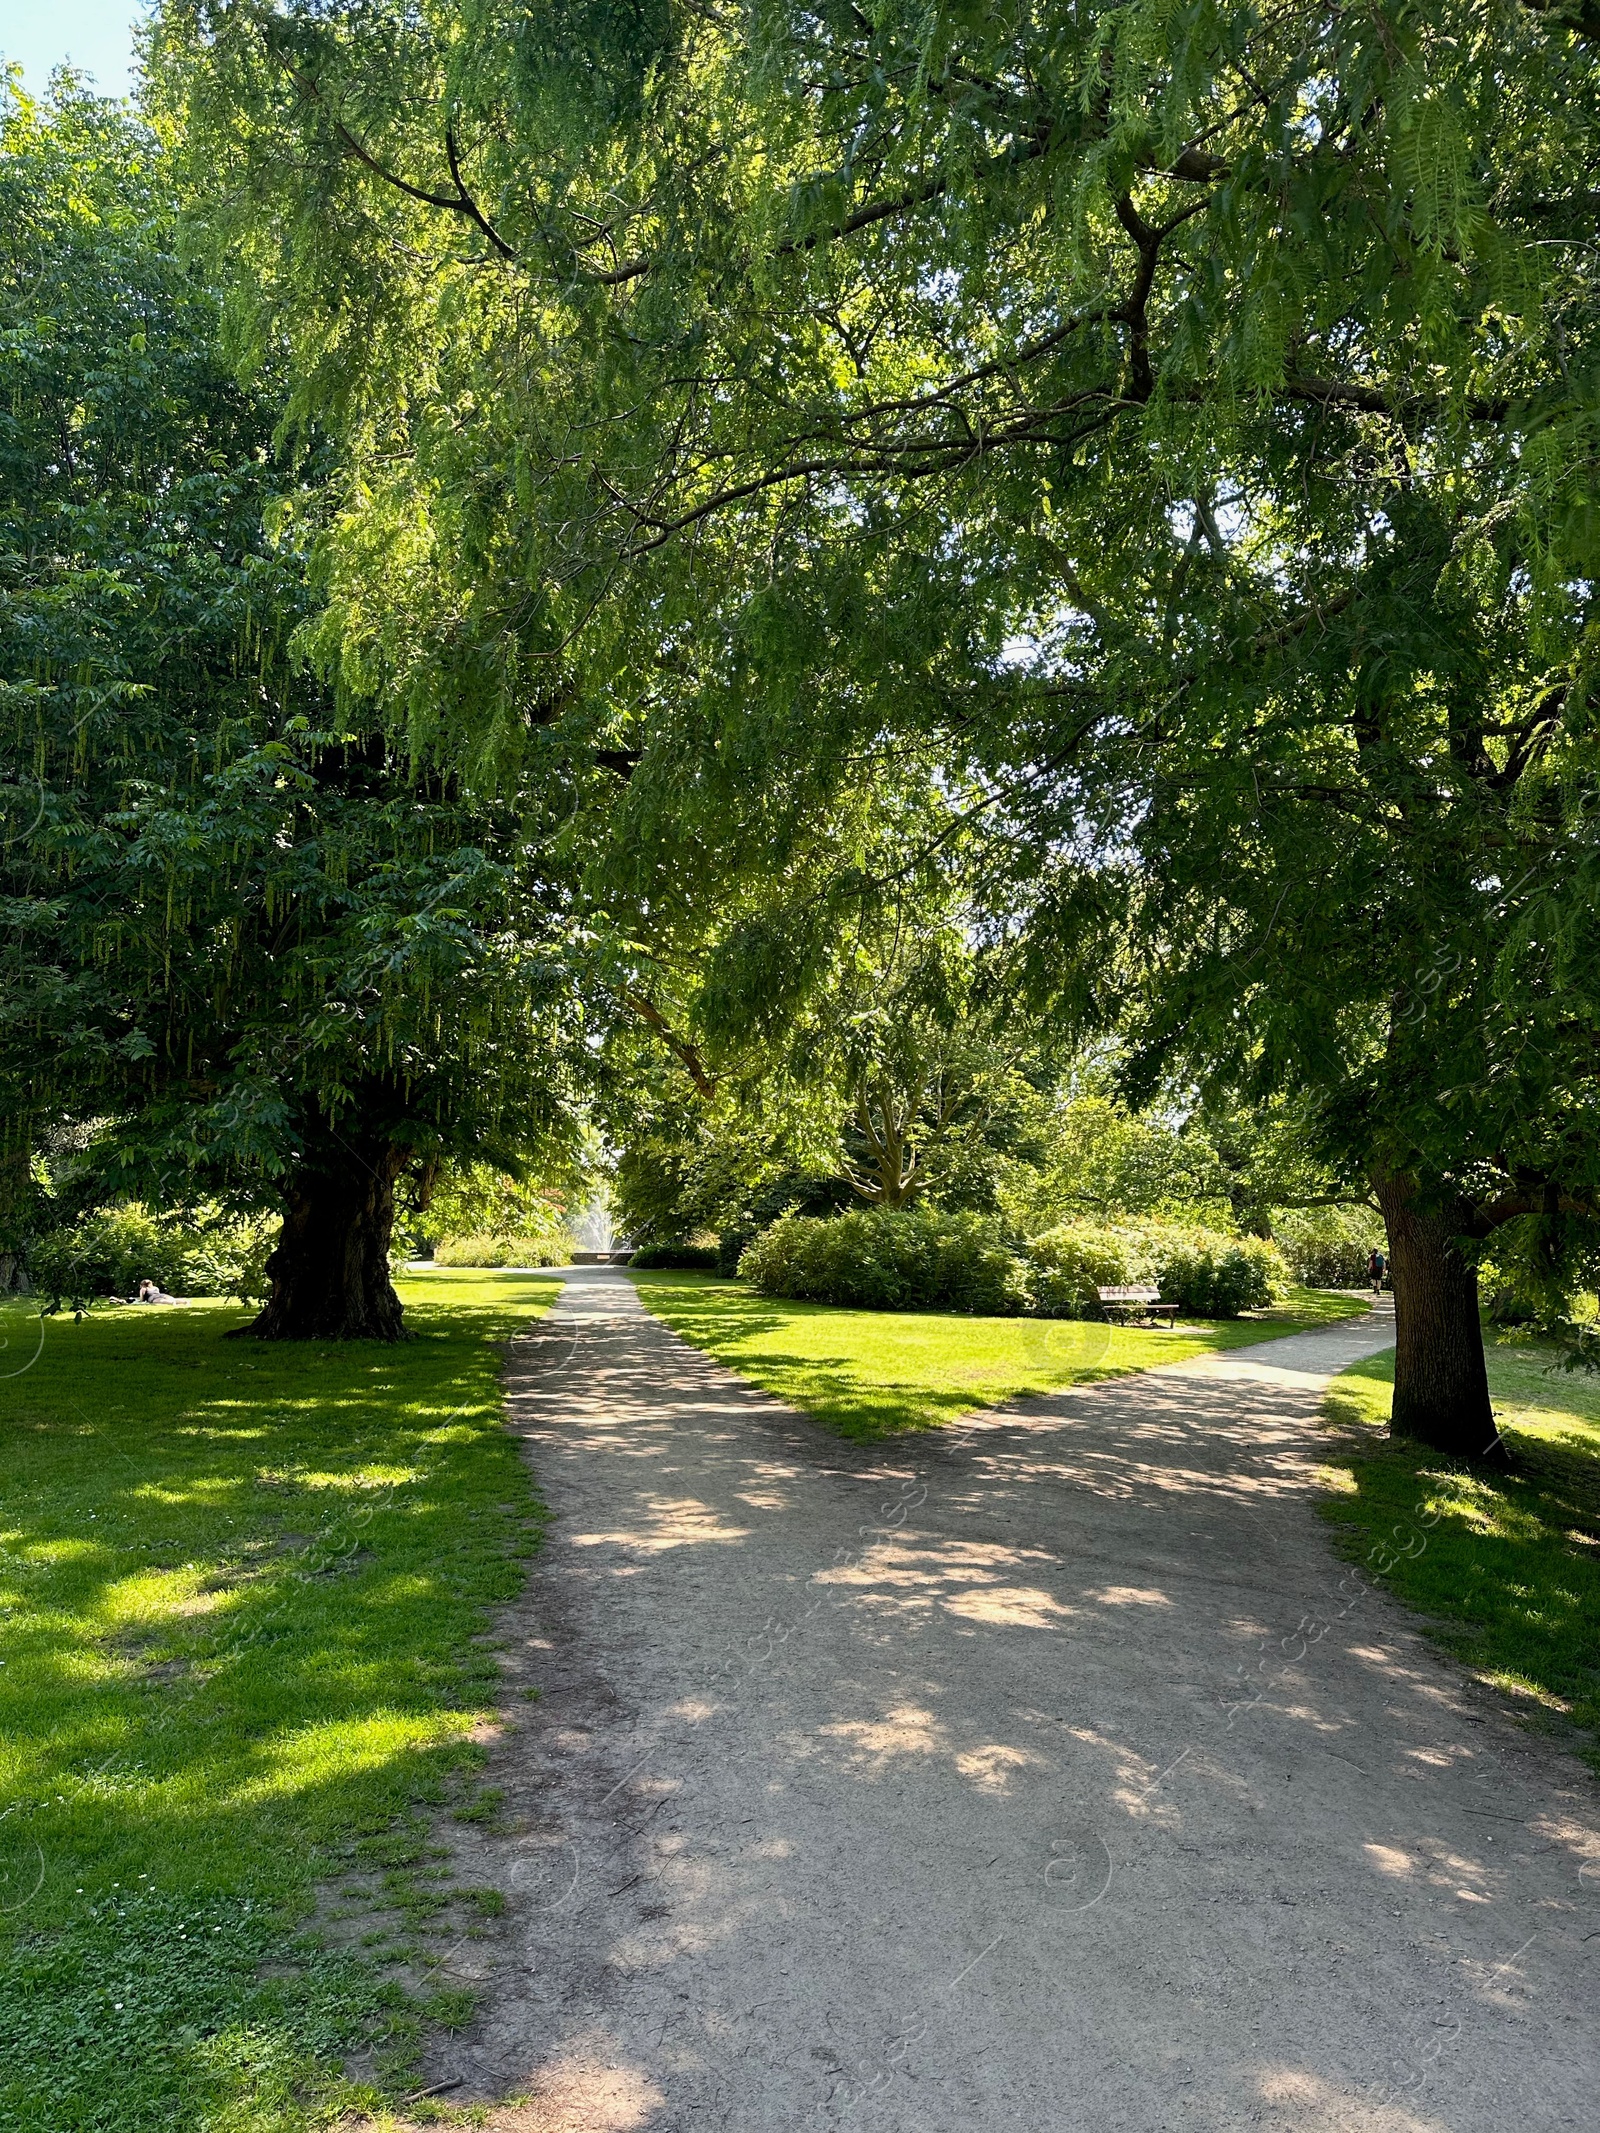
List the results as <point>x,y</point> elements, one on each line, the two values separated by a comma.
<point>1139,1303</point>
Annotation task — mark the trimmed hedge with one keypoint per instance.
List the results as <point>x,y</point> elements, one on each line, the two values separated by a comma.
<point>887,1259</point>
<point>675,1255</point>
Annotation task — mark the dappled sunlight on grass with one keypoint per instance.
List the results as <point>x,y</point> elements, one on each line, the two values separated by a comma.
<point>1507,1567</point>
<point>876,1373</point>
<point>239,1586</point>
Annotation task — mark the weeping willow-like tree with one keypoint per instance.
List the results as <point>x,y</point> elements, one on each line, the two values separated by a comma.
<point>246,950</point>
<point>1179,420</point>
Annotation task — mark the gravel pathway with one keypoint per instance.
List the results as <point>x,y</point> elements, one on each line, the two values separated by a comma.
<point>1049,1773</point>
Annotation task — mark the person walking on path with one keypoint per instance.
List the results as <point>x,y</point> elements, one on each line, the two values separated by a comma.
<point>1377,1267</point>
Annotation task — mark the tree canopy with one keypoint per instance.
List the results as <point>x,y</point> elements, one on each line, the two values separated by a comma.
<point>1177,421</point>
<point>249,949</point>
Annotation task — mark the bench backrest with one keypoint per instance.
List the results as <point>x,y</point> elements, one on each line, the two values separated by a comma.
<point>1143,1292</point>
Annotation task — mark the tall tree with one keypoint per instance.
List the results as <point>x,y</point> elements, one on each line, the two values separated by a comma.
<point>1177,420</point>
<point>247,949</point>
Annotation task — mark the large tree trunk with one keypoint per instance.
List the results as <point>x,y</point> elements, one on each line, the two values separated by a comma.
<point>329,1272</point>
<point>15,1195</point>
<point>1441,1389</point>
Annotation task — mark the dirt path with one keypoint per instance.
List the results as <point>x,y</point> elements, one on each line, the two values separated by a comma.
<point>1048,1775</point>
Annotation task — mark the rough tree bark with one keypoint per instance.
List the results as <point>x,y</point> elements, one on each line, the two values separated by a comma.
<point>14,1197</point>
<point>1441,1388</point>
<point>328,1275</point>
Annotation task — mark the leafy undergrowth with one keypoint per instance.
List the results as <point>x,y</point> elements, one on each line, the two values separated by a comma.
<point>239,1588</point>
<point>872,1374</point>
<point>1506,1568</point>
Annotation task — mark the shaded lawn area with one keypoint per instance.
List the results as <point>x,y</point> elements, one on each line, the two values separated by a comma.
<point>238,1585</point>
<point>870,1374</point>
<point>1505,1568</point>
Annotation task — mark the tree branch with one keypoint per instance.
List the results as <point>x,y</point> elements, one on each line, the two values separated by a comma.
<point>685,1053</point>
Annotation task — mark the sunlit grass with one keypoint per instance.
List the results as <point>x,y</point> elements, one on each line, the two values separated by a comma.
<point>238,1591</point>
<point>871,1374</point>
<point>1505,1567</point>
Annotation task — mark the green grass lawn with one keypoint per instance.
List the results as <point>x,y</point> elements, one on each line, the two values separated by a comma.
<point>238,1589</point>
<point>1505,1568</point>
<point>870,1374</point>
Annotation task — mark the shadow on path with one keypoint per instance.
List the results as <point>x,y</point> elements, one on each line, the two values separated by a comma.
<point>1046,1773</point>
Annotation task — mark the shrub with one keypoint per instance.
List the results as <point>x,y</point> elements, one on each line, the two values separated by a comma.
<point>1209,1275</point>
<point>675,1255</point>
<point>1066,1266</point>
<point>886,1259</point>
<point>1204,1272</point>
<point>110,1253</point>
<point>502,1251</point>
<point>1327,1247</point>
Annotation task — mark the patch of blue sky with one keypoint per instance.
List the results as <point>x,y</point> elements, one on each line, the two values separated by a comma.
<point>96,37</point>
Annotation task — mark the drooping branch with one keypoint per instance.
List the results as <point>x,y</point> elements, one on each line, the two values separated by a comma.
<point>460,202</point>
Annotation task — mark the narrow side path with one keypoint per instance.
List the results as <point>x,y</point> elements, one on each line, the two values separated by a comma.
<point>1046,1774</point>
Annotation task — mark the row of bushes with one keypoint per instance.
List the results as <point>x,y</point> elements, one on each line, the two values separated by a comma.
<point>502,1251</point>
<point>888,1259</point>
<point>911,1258</point>
<point>699,1256</point>
<point>109,1254</point>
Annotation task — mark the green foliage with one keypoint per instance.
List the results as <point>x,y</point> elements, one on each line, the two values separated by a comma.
<point>546,1250</point>
<point>1208,1275</point>
<point>209,1253</point>
<point>472,1202</point>
<point>1100,1160</point>
<point>1164,423</point>
<point>1204,1272</point>
<point>242,1589</point>
<point>242,934</point>
<point>675,1255</point>
<point>1327,1247</point>
<point>1067,1264</point>
<point>887,1259</point>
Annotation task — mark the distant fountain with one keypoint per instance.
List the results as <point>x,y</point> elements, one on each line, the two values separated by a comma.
<point>593,1230</point>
